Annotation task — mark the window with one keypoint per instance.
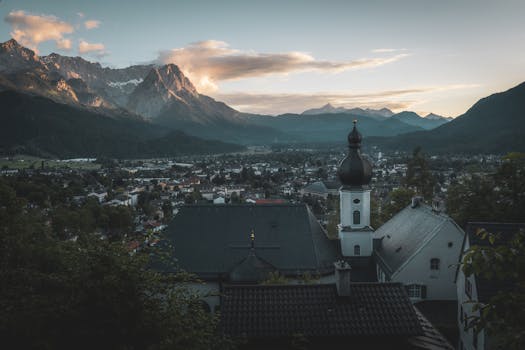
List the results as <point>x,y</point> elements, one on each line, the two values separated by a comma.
<point>417,291</point>
<point>461,314</point>
<point>434,264</point>
<point>357,217</point>
<point>468,287</point>
<point>356,201</point>
<point>357,250</point>
<point>474,339</point>
<point>414,291</point>
<point>450,244</point>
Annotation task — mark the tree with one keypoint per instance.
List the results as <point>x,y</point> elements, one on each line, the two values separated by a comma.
<point>495,197</point>
<point>90,293</point>
<point>399,199</point>
<point>419,175</point>
<point>503,317</point>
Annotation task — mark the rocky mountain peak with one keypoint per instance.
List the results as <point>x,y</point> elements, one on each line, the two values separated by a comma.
<point>13,46</point>
<point>171,78</point>
<point>14,56</point>
<point>433,116</point>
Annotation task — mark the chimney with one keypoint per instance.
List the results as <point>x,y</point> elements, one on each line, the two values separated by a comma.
<point>342,278</point>
<point>416,200</point>
<point>438,205</point>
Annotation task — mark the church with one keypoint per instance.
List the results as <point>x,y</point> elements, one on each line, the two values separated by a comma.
<point>249,253</point>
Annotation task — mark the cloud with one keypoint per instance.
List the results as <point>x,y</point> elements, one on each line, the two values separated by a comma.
<point>278,103</point>
<point>30,30</point>
<point>64,44</point>
<point>96,48</point>
<point>91,24</point>
<point>211,61</point>
<point>384,50</point>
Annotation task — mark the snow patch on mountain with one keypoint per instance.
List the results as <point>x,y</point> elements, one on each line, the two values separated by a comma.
<point>124,83</point>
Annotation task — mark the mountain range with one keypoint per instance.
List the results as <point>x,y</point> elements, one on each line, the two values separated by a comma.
<point>494,124</point>
<point>155,101</point>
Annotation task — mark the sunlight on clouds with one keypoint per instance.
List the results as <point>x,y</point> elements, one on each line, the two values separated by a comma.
<point>30,30</point>
<point>396,100</point>
<point>384,50</point>
<point>85,47</point>
<point>64,44</point>
<point>209,62</point>
<point>91,24</point>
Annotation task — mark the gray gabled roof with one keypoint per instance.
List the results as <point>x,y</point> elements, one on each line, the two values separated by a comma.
<point>316,310</point>
<point>404,234</point>
<point>209,240</point>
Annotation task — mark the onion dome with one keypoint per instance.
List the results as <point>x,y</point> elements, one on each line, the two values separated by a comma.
<point>355,170</point>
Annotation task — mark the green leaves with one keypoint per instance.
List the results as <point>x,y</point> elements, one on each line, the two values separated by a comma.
<point>90,293</point>
<point>503,316</point>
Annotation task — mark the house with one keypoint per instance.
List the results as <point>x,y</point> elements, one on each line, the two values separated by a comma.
<point>473,289</point>
<point>214,242</point>
<point>99,195</point>
<point>321,189</point>
<point>419,247</point>
<point>342,314</point>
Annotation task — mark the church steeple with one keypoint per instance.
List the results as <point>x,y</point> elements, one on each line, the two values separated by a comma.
<point>354,170</point>
<point>355,173</point>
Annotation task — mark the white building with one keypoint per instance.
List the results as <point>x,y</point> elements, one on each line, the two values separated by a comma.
<point>355,173</point>
<point>419,247</point>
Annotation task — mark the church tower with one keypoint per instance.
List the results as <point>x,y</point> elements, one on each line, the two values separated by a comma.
<point>355,173</point>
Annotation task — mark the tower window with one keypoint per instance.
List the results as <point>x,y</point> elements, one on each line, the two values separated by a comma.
<point>357,217</point>
<point>357,201</point>
<point>434,264</point>
<point>357,250</point>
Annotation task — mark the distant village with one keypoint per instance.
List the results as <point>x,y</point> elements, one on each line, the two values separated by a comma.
<point>151,193</point>
<point>291,175</point>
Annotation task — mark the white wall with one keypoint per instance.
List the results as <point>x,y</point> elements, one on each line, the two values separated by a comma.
<point>465,303</point>
<point>349,239</point>
<point>347,206</point>
<point>440,283</point>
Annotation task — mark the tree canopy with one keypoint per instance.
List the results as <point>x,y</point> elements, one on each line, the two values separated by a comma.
<point>89,293</point>
<point>503,264</point>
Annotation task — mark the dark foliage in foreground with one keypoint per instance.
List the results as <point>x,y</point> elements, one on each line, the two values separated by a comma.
<point>88,293</point>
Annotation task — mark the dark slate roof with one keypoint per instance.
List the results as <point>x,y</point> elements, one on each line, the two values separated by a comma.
<point>504,233</point>
<point>431,338</point>
<point>363,269</point>
<point>316,187</point>
<point>373,309</point>
<point>209,240</point>
<point>251,269</point>
<point>401,236</point>
<point>332,185</point>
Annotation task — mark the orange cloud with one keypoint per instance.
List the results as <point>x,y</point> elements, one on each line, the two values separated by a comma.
<point>91,24</point>
<point>278,103</point>
<point>97,48</point>
<point>208,62</point>
<point>30,30</point>
<point>64,44</point>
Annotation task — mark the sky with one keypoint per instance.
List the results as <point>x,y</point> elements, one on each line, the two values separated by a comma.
<point>283,56</point>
